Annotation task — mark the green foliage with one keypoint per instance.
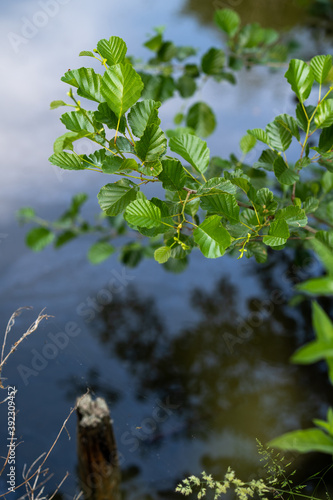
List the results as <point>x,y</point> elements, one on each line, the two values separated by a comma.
<point>277,483</point>
<point>322,347</point>
<point>100,251</point>
<point>216,205</point>
<point>308,440</point>
<point>318,439</point>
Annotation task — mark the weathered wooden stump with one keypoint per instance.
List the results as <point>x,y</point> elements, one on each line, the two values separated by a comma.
<point>97,451</point>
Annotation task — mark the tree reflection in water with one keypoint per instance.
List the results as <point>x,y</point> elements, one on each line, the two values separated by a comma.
<point>228,372</point>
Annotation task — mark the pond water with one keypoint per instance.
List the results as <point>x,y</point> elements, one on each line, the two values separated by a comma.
<point>212,344</point>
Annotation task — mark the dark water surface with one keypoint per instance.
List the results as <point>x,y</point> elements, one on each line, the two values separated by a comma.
<point>211,344</point>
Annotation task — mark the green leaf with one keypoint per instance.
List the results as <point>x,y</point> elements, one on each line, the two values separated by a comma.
<point>178,118</point>
<point>201,118</point>
<point>113,50</point>
<point>173,175</point>
<point>132,254</point>
<point>129,164</point>
<point>178,131</point>
<point>322,324</point>
<point>57,104</point>
<point>290,124</point>
<point>143,213</point>
<point>105,115</point>
<point>324,115</point>
<point>321,66</point>
<point>143,114</point>
<point>192,149</point>
<point>123,145</point>
<point>323,246</point>
<point>38,238</point>
<point>258,250</point>
<point>317,286</point>
<point>217,185</point>
<point>162,254</point>
<point>184,52</point>
<point>114,198</point>
<point>152,144</point>
<point>283,173</point>
<point>77,121</point>
<point>192,70</point>
<point>166,52</point>
<point>302,118</point>
<point>222,204</point>
<point>176,265</point>
<point>87,81</point>
<point>266,160</point>
<point>294,216</point>
<point>259,134</point>
<point>310,205</point>
<point>327,182</point>
<point>27,213</point>
<point>211,237</point>
<point>304,441</point>
<point>300,77</point>
<point>325,140</point>
<point>157,87</point>
<point>100,251</point>
<point>228,20</point>
<point>154,43</point>
<point>279,137</point>
<point>68,161</point>
<point>64,238</point>
<point>66,140</point>
<point>186,86</point>
<point>112,164</point>
<point>251,35</point>
<point>76,203</point>
<point>153,168</point>
<point>313,351</point>
<point>278,234</point>
<point>212,62</point>
<point>86,53</point>
<point>247,143</point>
<point>266,202</point>
<point>121,87</point>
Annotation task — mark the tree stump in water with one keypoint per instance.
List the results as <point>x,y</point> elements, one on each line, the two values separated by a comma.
<point>97,451</point>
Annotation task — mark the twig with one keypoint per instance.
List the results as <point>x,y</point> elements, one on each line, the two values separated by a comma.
<point>310,229</point>
<point>51,448</point>
<point>30,330</point>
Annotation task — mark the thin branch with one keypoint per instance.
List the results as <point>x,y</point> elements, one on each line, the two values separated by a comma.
<point>310,229</point>
<point>30,330</point>
<point>51,448</point>
<point>241,204</point>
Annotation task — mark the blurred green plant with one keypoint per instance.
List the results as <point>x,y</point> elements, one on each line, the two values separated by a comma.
<point>318,439</point>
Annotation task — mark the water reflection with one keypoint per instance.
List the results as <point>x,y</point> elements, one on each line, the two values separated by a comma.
<point>226,375</point>
<point>281,14</point>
